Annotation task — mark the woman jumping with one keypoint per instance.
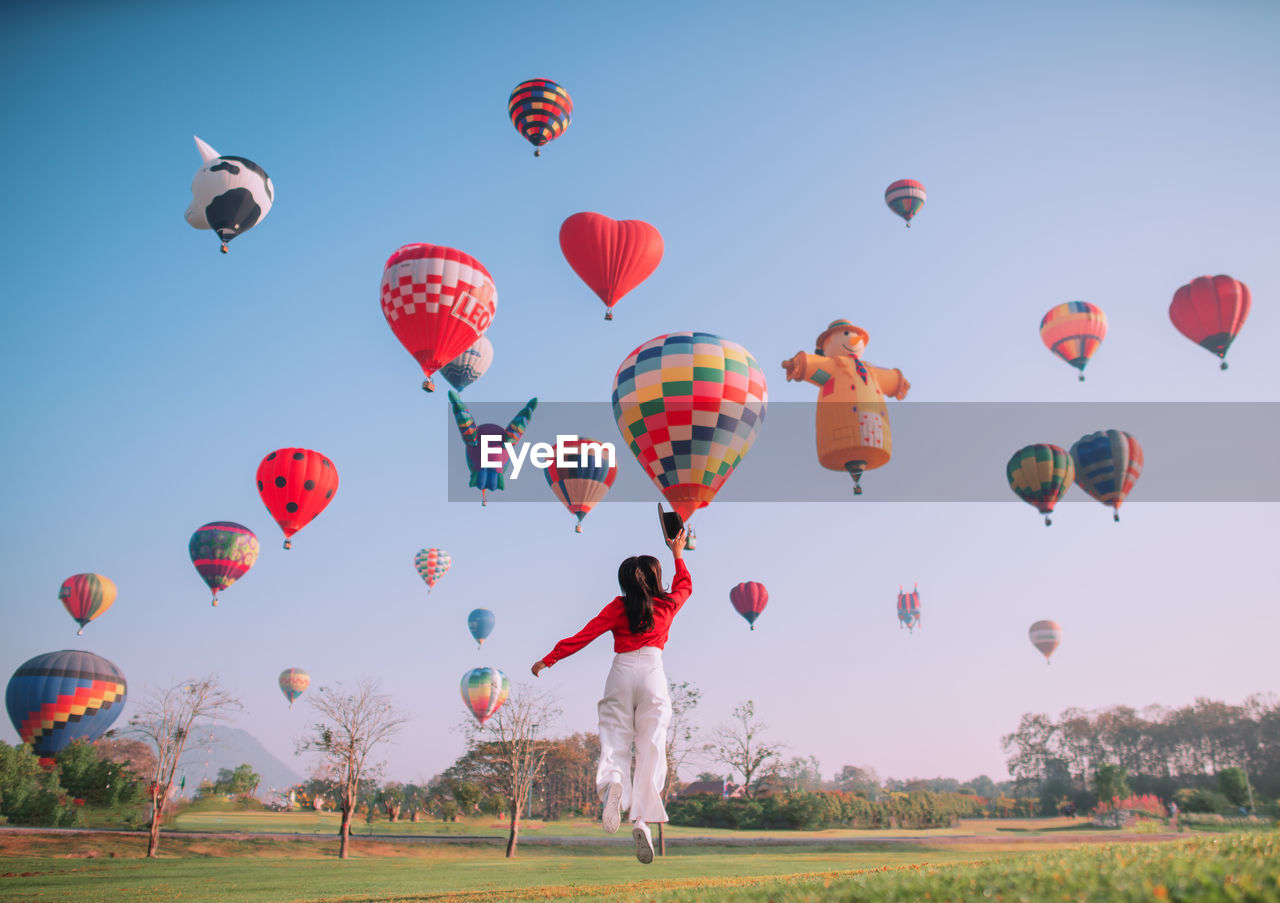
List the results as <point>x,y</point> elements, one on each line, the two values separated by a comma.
<point>636,708</point>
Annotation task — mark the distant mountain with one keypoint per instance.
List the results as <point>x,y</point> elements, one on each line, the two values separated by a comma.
<point>211,749</point>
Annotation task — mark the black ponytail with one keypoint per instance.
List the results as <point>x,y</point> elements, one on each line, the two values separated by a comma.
<point>640,578</point>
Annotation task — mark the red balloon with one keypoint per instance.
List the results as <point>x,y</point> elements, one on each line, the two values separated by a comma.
<point>1210,311</point>
<point>438,301</point>
<point>296,484</point>
<point>610,256</point>
<point>749,599</point>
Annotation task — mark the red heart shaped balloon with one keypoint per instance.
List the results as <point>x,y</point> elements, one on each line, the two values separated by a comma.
<point>611,256</point>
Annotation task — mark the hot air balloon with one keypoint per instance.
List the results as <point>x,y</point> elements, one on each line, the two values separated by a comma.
<point>480,622</point>
<point>905,198</point>
<point>1045,636</point>
<point>438,302</point>
<point>689,405</point>
<point>540,110</point>
<point>1107,464</point>
<point>1210,311</point>
<point>1073,331</point>
<point>63,696</point>
<point>611,256</point>
<point>85,596</point>
<point>296,484</point>
<point>589,472</point>
<point>749,600</point>
<point>229,195</point>
<point>293,683</point>
<point>473,436</point>
<point>222,552</point>
<point>1040,475</point>
<point>469,366</point>
<point>909,609</point>
<point>484,690</point>
<point>431,565</point>
<point>852,423</point>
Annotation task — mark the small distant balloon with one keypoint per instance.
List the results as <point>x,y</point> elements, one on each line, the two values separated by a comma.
<point>908,609</point>
<point>589,473</point>
<point>749,600</point>
<point>85,596</point>
<point>1040,475</point>
<point>1073,331</point>
<point>432,565</point>
<point>222,552</point>
<point>905,198</point>
<point>480,622</point>
<point>540,110</point>
<point>469,366</point>
<point>484,690</point>
<point>229,195</point>
<point>1045,636</point>
<point>293,683</point>
<point>1107,465</point>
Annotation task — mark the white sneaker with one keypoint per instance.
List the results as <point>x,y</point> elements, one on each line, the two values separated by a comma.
<point>612,817</point>
<point>644,842</point>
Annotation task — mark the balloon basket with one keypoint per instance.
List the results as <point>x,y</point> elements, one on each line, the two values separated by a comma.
<point>1224,366</point>
<point>224,249</point>
<point>80,632</point>
<point>288,544</point>
<point>1116,517</point>
<point>1081,377</point>
<point>608,315</point>
<point>577,528</point>
<point>215,602</point>
<point>536,153</point>
<point>428,385</point>
<point>1047,522</point>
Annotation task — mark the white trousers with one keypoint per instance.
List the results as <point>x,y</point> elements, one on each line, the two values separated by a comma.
<point>636,709</point>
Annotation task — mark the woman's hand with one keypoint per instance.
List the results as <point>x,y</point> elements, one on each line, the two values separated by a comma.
<point>538,666</point>
<point>676,544</point>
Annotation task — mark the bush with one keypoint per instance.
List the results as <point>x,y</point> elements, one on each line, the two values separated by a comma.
<point>1207,801</point>
<point>816,810</point>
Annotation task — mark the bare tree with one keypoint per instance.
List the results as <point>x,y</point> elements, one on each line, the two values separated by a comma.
<point>355,723</point>
<point>509,750</point>
<point>682,733</point>
<point>739,746</point>
<point>165,718</point>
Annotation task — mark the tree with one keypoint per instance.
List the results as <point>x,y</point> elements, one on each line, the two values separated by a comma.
<point>29,795</point>
<point>739,746</point>
<point>165,718</point>
<point>856,779</point>
<point>1110,782</point>
<point>243,781</point>
<point>1233,783</point>
<point>682,733</point>
<point>354,724</point>
<point>88,775</point>
<point>507,753</point>
<point>799,773</point>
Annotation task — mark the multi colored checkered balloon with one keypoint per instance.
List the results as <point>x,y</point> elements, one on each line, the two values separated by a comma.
<point>431,565</point>
<point>689,405</point>
<point>1040,475</point>
<point>540,110</point>
<point>484,690</point>
<point>63,696</point>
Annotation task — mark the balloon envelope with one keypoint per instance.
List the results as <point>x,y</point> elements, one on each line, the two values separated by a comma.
<point>432,565</point>
<point>905,198</point>
<point>909,608</point>
<point>229,195</point>
<point>59,697</point>
<point>222,552</point>
<point>480,622</point>
<point>689,405</point>
<point>469,366</point>
<point>589,473</point>
<point>1107,464</point>
<point>85,596</point>
<point>1040,475</point>
<point>1211,311</point>
<point>296,484</point>
<point>293,683</point>
<point>1073,331</point>
<point>1045,636</point>
<point>749,600</point>
<point>540,110</point>
<point>484,690</point>
<point>611,256</point>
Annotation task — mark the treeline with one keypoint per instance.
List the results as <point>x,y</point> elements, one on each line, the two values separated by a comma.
<point>811,810</point>
<point>106,775</point>
<point>1209,754</point>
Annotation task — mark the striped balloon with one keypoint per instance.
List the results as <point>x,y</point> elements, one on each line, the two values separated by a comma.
<point>480,622</point>
<point>1040,475</point>
<point>59,697</point>
<point>1045,636</point>
<point>749,600</point>
<point>469,366</point>
<point>1073,331</point>
<point>689,405</point>
<point>293,683</point>
<point>908,609</point>
<point>484,690</point>
<point>222,553</point>
<point>540,110</point>
<point>905,198</point>
<point>431,565</point>
<point>587,481</point>
<point>1107,464</point>
<point>1211,311</point>
<point>85,596</point>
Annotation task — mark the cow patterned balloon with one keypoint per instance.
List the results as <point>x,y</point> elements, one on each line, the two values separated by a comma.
<point>229,195</point>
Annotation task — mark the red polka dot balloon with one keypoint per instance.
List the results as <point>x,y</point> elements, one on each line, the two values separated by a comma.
<point>296,484</point>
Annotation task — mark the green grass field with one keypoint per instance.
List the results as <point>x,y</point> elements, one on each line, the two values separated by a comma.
<point>266,869</point>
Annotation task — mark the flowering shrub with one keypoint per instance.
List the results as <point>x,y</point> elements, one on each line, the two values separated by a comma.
<point>1147,802</point>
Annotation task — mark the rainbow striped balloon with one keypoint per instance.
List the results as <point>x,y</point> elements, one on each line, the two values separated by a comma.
<point>1045,636</point>
<point>905,197</point>
<point>689,405</point>
<point>540,110</point>
<point>85,596</point>
<point>1073,331</point>
<point>222,552</point>
<point>579,487</point>
<point>1107,464</point>
<point>432,565</point>
<point>1040,475</point>
<point>293,683</point>
<point>484,690</point>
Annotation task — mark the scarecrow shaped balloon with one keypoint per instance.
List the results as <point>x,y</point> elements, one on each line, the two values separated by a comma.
<point>229,195</point>
<point>852,421</point>
<point>486,476</point>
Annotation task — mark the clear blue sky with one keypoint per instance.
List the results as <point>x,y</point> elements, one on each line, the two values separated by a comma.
<point>1103,152</point>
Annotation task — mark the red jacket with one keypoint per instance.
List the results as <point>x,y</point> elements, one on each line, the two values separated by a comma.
<point>614,618</point>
